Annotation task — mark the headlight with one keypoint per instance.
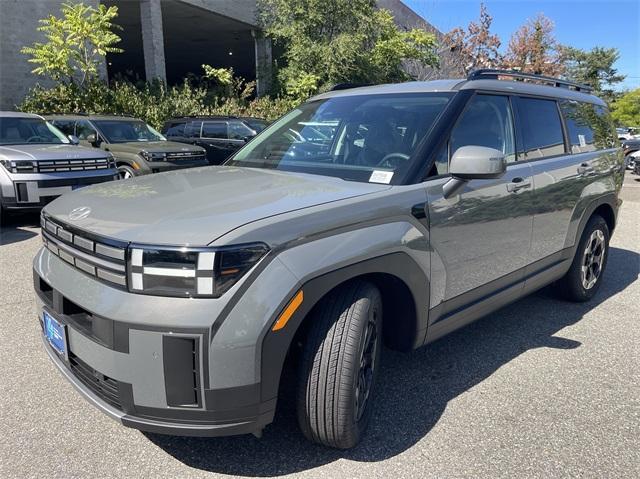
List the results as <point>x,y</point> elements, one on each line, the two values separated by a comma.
<point>189,272</point>
<point>18,166</point>
<point>153,156</point>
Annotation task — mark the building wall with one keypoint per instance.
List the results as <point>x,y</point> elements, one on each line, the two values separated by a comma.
<point>18,28</point>
<point>19,22</point>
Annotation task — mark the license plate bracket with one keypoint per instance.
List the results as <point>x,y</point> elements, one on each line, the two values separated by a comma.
<point>56,334</point>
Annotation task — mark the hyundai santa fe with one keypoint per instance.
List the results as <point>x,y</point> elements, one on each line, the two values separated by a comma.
<point>389,214</point>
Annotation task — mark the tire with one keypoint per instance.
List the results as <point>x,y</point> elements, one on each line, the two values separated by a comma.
<point>126,172</point>
<point>334,400</point>
<point>583,280</point>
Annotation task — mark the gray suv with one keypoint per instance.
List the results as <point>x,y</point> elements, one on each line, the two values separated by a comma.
<point>38,163</point>
<point>174,301</point>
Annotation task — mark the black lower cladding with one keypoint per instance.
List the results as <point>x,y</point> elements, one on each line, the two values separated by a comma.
<point>104,387</point>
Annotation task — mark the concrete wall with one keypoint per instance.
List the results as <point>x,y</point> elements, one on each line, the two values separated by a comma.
<point>18,28</point>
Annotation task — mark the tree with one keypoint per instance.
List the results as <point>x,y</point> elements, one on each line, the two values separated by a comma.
<point>626,110</point>
<point>476,47</point>
<point>594,68</point>
<point>76,43</point>
<point>534,49</point>
<point>332,41</point>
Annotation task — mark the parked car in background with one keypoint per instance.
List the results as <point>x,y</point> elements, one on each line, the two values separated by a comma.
<point>221,136</point>
<point>38,162</point>
<point>630,146</point>
<point>625,133</point>
<point>137,148</point>
<point>632,161</point>
<point>428,206</point>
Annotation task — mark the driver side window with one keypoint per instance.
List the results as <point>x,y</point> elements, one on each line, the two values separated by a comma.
<point>486,121</point>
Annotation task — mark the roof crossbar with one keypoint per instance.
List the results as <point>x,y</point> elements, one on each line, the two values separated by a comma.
<point>495,74</point>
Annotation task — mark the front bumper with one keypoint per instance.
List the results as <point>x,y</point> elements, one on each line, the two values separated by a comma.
<point>126,353</point>
<point>29,191</point>
<point>160,426</point>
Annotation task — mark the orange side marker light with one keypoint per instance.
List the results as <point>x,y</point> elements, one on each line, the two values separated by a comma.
<point>291,308</point>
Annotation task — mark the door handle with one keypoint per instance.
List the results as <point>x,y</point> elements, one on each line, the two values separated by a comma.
<point>518,184</point>
<point>585,169</point>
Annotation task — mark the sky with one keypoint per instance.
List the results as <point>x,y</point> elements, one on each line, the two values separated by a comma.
<point>581,24</point>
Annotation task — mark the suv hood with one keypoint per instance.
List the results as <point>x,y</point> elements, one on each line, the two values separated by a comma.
<point>153,147</point>
<point>31,152</point>
<point>198,205</point>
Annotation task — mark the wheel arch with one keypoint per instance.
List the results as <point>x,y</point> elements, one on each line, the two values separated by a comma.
<point>605,206</point>
<point>405,297</point>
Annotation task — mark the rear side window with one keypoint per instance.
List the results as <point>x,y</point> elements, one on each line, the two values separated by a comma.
<point>589,126</point>
<point>214,129</point>
<point>175,129</point>
<point>540,128</point>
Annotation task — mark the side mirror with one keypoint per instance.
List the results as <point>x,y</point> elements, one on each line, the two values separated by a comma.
<point>93,139</point>
<point>73,139</point>
<point>474,163</point>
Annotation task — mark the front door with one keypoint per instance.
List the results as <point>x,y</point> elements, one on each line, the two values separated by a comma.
<point>480,237</point>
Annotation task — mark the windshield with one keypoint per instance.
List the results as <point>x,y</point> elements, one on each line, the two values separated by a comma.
<point>368,138</point>
<point>19,131</point>
<point>122,131</point>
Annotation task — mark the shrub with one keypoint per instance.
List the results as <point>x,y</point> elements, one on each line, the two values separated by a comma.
<point>152,102</point>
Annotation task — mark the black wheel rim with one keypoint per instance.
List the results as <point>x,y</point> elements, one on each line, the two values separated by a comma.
<point>368,353</point>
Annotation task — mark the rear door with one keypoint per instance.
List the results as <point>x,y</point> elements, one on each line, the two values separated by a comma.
<point>566,168</point>
<point>481,236</point>
<point>215,140</point>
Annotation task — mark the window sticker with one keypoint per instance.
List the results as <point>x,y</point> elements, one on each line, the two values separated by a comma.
<point>582,140</point>
<point>380,176</point>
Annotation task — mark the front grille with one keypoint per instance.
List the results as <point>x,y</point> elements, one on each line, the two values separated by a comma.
<point>56,166</point>
<point>102,386</point>
<point>98,259</point>
<point>185,155</point>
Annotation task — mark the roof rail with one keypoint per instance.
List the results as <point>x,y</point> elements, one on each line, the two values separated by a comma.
<point>495,74</point>
<point>347,86</point>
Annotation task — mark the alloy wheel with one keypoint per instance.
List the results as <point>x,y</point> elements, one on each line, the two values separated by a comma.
<point>368,353</point>
<point>592,259</point>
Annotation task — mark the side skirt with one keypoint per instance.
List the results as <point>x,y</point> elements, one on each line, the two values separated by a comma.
<point>448,316</point>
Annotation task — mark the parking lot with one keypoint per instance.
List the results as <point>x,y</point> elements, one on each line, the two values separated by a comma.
<point>541,388</point>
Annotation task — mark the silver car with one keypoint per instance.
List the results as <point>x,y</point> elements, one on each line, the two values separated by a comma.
<point>38,163</point>
<point>173,301</point>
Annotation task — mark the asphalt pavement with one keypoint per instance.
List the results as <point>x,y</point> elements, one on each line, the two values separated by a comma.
<point>541,388</point>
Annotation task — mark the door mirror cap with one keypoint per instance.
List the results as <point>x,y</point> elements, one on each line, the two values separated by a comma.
<point>73,139</point>
<point>477,162</point>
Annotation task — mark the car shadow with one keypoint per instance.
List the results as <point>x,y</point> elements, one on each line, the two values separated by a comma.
<point>13,227</point>
<point>413,388</point>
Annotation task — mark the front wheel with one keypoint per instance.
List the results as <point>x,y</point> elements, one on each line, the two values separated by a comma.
<point>126,172</point>
<point>339,365</point>
<point>584,277</point>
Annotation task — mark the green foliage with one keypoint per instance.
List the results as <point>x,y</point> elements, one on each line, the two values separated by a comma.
<point>76,43</point>
<point>153,102</point>
<point>626,110</point>
<point>594,68</point>
<point>332,41</point>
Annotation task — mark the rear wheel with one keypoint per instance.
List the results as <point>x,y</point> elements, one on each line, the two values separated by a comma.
<point>339,365</point>
<point>583,279</point>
